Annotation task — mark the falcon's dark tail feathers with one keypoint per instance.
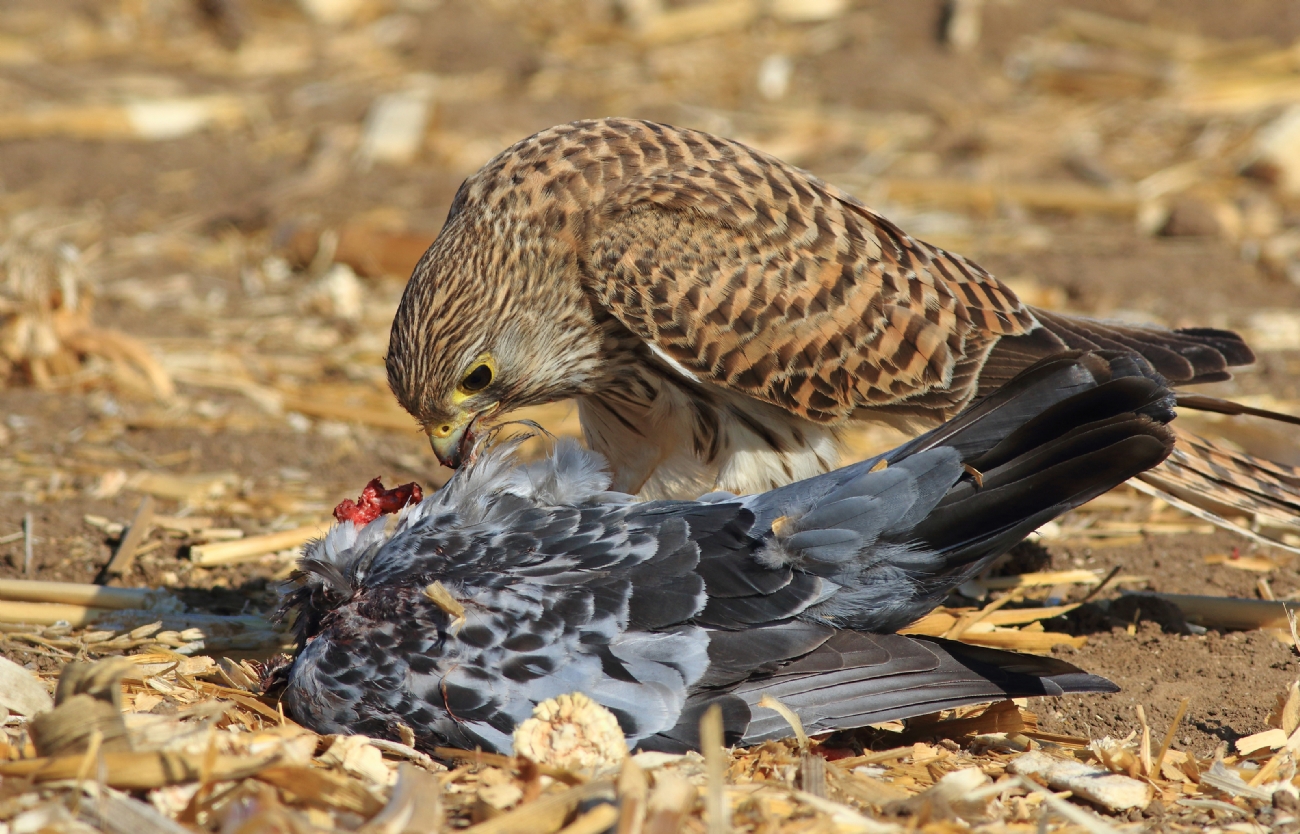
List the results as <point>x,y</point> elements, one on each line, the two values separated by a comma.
<point>1183,357</point>
<point>896,542</point>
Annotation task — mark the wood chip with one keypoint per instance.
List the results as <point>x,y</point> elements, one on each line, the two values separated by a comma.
<point>144,120</point>
<point>669,804</point>
<point>1109,790</point>
<point>254,547</point>
<point>48,614</point>
<point>1047,578</point>
<point>20,691</point>
<point>80,594</point>
<point>546,814</point>
<point>124,557</point>
<point>698,21</point>
<point>321,788</point>
<point>438,594</point>
<point>717,814</point>
<point>121,814</point>
<point>632,793</point>
<point>1259,564</point>
<point>1264,740</point>
<point>140,770</point>
<point>191,489</point>
<point>414,807</point>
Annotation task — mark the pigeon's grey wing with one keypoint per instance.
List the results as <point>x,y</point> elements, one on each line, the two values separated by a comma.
<point>600,601</point>
<point>854,679</point>
<point>594,598</point>
<point>884,547</point>
<point>753,581</point>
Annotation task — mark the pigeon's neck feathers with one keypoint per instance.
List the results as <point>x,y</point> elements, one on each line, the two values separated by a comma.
<point>494,483</point>
<point>569,475</point>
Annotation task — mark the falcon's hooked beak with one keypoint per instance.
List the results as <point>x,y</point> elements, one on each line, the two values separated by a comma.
<point>453,440</point>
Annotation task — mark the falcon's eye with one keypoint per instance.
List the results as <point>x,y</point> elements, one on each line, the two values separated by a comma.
<point>477,379</point>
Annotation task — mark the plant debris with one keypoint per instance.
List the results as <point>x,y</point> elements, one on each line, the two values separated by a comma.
<point>206,214</point>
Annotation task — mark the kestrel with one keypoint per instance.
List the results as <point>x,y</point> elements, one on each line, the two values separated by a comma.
<point>721,316</point>
<point>515,583</point>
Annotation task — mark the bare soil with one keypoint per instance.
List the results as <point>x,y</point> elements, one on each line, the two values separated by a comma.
<point>236,188</point>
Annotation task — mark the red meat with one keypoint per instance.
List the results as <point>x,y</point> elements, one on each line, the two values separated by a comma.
<point>376,501</point>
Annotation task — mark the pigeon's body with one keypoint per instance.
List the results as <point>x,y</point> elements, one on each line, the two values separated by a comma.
<point>547,583</point>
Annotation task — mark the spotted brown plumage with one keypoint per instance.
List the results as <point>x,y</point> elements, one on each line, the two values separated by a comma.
<point>719,315</point>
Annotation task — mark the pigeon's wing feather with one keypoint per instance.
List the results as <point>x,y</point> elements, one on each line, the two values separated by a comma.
<point>596,598</point>
<point>885,546</point>
<point>978,429</point>
<point>852,679</point>
<point>855,679</point>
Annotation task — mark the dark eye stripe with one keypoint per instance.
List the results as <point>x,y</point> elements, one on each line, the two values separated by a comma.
<point>477,379</point>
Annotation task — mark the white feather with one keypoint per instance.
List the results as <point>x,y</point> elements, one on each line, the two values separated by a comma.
<point>671,362</point>
<point>569,475</point>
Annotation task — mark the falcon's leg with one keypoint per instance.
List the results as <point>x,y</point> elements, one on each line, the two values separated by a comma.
<point>668,440</point>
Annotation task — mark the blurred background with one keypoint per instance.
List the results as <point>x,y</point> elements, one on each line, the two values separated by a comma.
<point>208,208</point>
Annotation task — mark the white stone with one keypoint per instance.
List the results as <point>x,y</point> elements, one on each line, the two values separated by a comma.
<point>394,129</point>
<point>1277,146</point>
<point>21,692</point>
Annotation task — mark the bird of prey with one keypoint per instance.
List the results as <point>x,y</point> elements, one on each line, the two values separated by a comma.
<point>517,583</point>
<point>721,317</point>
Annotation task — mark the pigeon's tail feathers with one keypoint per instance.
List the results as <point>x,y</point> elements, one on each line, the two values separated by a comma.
<point>895,541</point>
<point>984,515</point>
<point>1025,410</point>
<point>1232,489</point>
<point>1064,457</point>
<point>1032,404</point>
<point>854,679</point>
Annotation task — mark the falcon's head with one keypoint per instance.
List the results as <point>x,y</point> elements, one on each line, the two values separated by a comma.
<point>491,321</point>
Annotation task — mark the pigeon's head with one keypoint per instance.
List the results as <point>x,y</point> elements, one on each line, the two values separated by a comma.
<point>329,573</point>
<point>331,567</point>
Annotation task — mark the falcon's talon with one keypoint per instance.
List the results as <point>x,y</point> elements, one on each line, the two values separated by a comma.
<point>976,475</point>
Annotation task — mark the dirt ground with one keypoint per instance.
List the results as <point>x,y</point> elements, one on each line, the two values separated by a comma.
<point>194,245</point>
